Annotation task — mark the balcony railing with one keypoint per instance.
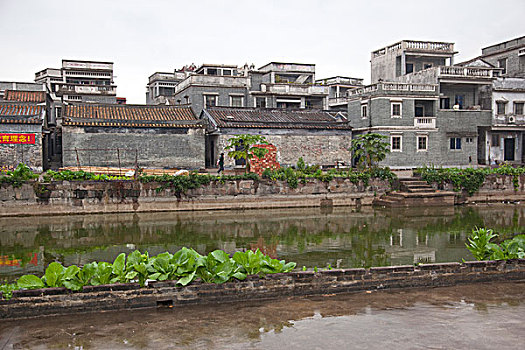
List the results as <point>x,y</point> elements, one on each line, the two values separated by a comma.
<point>334,101</point>
<point>294,89</point>
<point>401,87</point>
<point>425,122</point>
<point>87,89</point>
<point>211,80</point>
<point>468,72</point>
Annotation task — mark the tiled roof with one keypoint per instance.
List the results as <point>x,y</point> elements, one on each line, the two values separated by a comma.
<point>274,118</point>
<point>130,116</point>
<point>25,96</point>
<point>14,113</point>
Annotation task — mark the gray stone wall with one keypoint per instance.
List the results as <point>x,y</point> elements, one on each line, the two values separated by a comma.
<point>156,147</point>
<point>13,154</point>
<point>315,147</point>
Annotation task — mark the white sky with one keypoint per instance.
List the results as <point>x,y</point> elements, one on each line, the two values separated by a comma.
<point>145,36</point>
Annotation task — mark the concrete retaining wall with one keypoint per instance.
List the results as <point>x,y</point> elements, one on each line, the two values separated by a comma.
<point>53,301</point>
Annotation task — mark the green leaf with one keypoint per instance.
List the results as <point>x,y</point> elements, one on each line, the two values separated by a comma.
<point>187,279</point>
<point>220,255</point>
<point>53,274</point>
<point>70,272</point>
<point>75,285</point>
<point>30,282</point>
<point>119,264</point>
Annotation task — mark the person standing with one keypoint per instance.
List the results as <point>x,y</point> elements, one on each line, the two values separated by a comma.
<point>221,163</point>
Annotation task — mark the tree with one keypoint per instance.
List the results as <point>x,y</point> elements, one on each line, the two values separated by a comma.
<point>369,149</point>
<point>243,147</point>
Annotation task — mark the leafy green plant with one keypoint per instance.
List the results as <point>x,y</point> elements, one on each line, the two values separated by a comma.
<point>244,147</point>
<point>478,243</point>
<point>184,267</point>
<point>19,176</point>
<point>369,149</point>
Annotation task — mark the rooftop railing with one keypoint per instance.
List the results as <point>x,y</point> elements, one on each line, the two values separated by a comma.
<point>416,45</point>
<point>470,72</point>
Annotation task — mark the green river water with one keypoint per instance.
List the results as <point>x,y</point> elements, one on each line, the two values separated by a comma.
<point>341,237</point>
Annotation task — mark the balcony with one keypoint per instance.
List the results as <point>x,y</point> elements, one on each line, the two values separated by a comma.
<point>87,89</point>
<point>340,81</point>
<point>425,122</point>
<point>212,80</point>
<point>465,72</point>
<point>395,87</point>
<point>508,120</point>
<point>294,89</point>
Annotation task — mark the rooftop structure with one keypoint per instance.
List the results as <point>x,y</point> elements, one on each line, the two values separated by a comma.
<point>408,56</point>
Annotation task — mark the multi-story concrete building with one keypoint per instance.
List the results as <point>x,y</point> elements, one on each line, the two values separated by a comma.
<point>508,55</point>
<point>274,85</point>
<point>409,56</point>
<point>338,89</point>
<point>431,113</point>
<point>504,139</point>
<point>75,82</point>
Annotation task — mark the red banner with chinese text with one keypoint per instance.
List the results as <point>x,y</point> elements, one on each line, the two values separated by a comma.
<point>28,139</point>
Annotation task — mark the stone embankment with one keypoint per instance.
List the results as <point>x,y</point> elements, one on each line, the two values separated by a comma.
<point>55,301</point>
<point>84,197</point>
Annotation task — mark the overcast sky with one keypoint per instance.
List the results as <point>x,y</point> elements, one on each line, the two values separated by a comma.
<point>146,36</point>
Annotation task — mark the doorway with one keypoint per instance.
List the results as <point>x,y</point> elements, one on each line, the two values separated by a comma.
<point>509,147</point>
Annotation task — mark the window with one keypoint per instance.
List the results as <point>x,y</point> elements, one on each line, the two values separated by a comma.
<point>260,102</point>
<point>455,143</point>
<point>226,72</point>
<point>409,68</point>
<point>502,63</point>
<point>396,109</point>
<point>495,140</point>
<point>427,65</point>
<point>422,143</point>
<point>58,112</point>
<point>501,107</point>
<point>469,139</point>
<point>210,101</point>
<point>364,111</point>
<point>518,108</point>
<point>212,71</point>
<point>236,101</point>
<point>395,143</point>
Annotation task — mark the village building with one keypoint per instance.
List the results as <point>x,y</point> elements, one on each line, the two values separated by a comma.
<point>21,119</point>
<point>274,85</point>
<point>431,113</point>
<point>504,140</point>
<point>319,137</point>
<point>76,81</point>
<point>132,136</point>
<point>338,89</point>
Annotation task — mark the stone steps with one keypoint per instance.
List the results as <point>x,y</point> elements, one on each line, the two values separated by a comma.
<point>414,192</point>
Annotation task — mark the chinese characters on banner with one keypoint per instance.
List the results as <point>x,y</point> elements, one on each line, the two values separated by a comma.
<point>28,139</point>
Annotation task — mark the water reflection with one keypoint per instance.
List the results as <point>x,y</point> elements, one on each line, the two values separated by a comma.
<point>342,237</point>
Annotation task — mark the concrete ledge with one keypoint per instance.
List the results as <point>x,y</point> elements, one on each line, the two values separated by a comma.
<point>55,301</point>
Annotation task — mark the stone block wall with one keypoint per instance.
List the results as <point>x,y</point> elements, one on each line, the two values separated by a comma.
<point>54,301</point>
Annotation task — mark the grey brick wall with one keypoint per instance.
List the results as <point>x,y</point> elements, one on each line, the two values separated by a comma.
<point>13,154</point>
<point>196,95</point>
<point>315,147</point>
<point>157,148</point>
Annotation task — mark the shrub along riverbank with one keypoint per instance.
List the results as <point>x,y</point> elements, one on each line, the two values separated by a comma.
<point>184,266</point>
<point>468,179</point>
<point>480,245</point>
